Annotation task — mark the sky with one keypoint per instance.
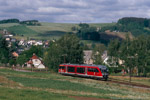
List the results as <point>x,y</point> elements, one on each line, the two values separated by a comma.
<point>74,11</point>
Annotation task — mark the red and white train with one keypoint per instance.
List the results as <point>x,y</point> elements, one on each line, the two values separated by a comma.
<point>92,71</point>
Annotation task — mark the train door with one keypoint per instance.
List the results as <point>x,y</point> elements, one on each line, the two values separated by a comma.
<point>66,69</point>
<point>93,71</point>
<point>86,70</point>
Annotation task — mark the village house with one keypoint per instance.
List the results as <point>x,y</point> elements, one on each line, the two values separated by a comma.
<point>15,54</point>
<point>35,62</point>
<point>89,60</point>
<point>38,43</point>
<point>88,57</point>
<point>8,39</point>
<point>21,42</point>
<point>13,40</point>
<point>6,33</point>
<point>46,44</point>
<point>20,50</point>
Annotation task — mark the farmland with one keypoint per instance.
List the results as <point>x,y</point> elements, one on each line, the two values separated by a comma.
<point>52,86</point>
<point>45,31</point>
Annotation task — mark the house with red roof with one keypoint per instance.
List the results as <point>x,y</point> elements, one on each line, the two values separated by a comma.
<point>36,62</point>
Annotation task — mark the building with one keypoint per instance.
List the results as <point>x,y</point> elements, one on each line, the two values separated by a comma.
<point>88,57</point>
<point>35,62</point>
<point>15,54</point>
<point>21,42</point>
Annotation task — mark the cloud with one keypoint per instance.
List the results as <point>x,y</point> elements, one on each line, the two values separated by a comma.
<point>74,11</point>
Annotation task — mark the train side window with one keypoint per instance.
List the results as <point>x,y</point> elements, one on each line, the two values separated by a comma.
<point>71,69</point>
<point>62,67</point>
<point>80,70</point>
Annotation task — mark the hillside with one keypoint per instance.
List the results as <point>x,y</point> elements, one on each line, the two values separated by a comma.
<point>46,30</point>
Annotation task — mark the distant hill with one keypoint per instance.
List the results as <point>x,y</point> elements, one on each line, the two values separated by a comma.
<point>45,30</point>
<point>136,26</point>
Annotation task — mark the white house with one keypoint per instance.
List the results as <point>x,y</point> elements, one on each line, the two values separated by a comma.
<point>36,62</point>
<point>21,42</point>
<point>38,43</point>
<point>88,57</point>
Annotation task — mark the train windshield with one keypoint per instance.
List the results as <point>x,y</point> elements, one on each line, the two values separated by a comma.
<point>104,70</point>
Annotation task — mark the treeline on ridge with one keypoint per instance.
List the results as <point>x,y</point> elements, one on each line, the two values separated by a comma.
<point>27,22</point>
<point>134,25</point>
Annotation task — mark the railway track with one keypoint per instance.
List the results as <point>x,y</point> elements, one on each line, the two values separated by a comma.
<point>112,80</point>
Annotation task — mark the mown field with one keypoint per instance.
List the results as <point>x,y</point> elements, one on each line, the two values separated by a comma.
<point>16,85</point>
<point>45,31</point>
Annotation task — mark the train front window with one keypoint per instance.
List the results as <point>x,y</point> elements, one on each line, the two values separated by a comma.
<point>104,70</point>
<point>92,70</point>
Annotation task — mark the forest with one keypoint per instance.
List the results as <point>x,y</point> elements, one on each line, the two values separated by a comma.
<point>136,26</point>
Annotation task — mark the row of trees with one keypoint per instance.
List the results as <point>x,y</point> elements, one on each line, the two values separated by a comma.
<point>134,54</point>
<point>31,22</point>
<point>27,22</point>
<point>143,22</point>
<point>134,25</point>
<point>9,21</point>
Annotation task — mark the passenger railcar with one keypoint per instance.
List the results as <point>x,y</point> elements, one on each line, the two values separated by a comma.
<point>93,71</point>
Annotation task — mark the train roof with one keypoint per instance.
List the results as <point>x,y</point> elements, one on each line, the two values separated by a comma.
<point>100,66</point>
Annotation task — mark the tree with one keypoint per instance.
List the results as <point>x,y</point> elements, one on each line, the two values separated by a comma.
<point>86,32</point>
<point>97,53</point>
<point>4,51</point>
<point>53,57</point>
<point>143,53</point>
<point>128,53</point>
<point>38,50</point>
<point>66,50</point>
<point>12,62</point>
<point>70,45</point>
<point>113,51</point>
<point>21,59</point>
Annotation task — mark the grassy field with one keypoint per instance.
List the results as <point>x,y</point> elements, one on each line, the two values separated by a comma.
<point>141,80</point>
<point>52,86</point>
<point>8,25</point>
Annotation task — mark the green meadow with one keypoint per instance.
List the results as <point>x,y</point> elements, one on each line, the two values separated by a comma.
<point>16,85</point>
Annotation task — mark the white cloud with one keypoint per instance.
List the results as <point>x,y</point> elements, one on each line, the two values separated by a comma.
<point>51,10</point>
<point>74,10</point>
